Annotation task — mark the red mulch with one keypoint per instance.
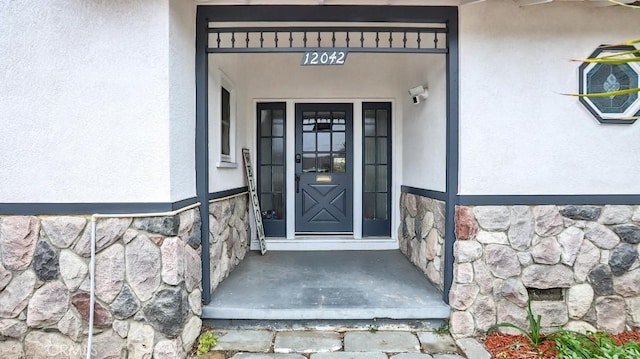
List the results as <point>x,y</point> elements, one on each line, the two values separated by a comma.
<point>503,346</point>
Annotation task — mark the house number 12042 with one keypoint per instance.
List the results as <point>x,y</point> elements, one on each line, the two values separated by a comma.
<point>324,58</point>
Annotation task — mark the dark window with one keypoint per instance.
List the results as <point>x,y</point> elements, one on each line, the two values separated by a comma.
<point>225,123</point>
<point>271,157</point>
<point>377,169</point>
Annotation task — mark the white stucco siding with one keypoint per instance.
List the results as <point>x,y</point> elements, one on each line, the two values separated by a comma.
<point>182,100</point>
<point>518,134</point>
<point>425,128</point>
<point>84,105</point>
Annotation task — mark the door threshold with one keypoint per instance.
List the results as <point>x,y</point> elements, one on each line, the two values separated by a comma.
<point>329,243</point>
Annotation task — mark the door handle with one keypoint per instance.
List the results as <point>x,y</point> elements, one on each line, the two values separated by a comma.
<point>297,183</point>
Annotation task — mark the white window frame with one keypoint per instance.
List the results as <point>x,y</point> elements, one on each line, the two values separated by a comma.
<point>230,159</point>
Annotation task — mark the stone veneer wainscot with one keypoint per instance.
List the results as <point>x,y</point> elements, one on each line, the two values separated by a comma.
<point>229,236</point>
<point>148,286</point>
<point>591,252</point>
<point>421,234</point>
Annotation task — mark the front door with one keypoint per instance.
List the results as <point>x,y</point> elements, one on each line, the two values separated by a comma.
<point>324,168</point>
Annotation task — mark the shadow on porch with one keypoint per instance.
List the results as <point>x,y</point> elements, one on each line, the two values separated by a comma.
<point>326,285</point>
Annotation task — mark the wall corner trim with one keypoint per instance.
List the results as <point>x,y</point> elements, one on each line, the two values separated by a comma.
<point>441,196</point>
<point>544,199</point>
<point>84,208</point>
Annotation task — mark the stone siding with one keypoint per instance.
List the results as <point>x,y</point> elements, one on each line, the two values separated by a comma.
<point>148,286</point>
<point>229,236</point>
<point>589,252</point>
<point>421,234</point>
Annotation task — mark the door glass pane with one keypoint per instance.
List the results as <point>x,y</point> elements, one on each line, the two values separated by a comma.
<point>278,206</point>
<point>339,116</point>
<point>369,123</point>
<point>382,150</point>
<point>278,123</point>
<point>324,162</point>
<point>324,141</point>
<point>308,162</point>
<point>382,179</point>
<point>369,150</point>
<point>339,163</point>
<point>265,179</point>
<point>309,141</point>
<point>278,188</point>
<point>339,143</point>
<point>323,124</point>
<point>369,178</point>
<point>369,205</point>
<point>308,121</point>
<point>265,151</point>
<point>381,122</point>
<point>339,124</point>
<point>278,151</point>
<point>265,123</point>
<point>277,179</point>
<point>381,206</point>
<point>324,121</point>
<point>266,205</point>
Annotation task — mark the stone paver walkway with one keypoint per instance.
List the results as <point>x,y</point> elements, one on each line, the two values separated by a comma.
<point>329,344</point>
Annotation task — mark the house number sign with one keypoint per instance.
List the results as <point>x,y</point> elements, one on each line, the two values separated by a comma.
<point>253,194</point>
<point>330,57</point>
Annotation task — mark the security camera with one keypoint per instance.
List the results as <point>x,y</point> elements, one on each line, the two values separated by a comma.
<point>418,93</point>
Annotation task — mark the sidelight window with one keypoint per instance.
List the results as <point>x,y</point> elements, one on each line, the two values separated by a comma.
<point>271,157</point>
<point>377,169</point>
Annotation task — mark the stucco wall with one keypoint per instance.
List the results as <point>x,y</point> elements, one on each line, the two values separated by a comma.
<point>518,134</point>
<point>425,128</point>
<point>182,102</point>
<point>85,102</point>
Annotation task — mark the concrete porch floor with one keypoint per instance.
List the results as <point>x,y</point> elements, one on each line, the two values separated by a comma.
<point>326,285</point>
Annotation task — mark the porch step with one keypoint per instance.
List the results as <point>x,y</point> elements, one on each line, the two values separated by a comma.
<point>341,325</point>
<point>326,285</point>
<point>430,311</point>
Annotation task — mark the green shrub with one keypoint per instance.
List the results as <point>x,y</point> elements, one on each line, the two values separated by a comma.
<point>534,335</point>
<point>206,341</point>
<point>572,345</point>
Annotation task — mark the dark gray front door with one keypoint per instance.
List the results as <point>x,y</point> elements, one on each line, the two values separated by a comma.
<point>324,168</point>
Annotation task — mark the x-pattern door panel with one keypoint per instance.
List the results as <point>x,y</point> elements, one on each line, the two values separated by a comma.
<point>324,204</point>
<point>324,168</point>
